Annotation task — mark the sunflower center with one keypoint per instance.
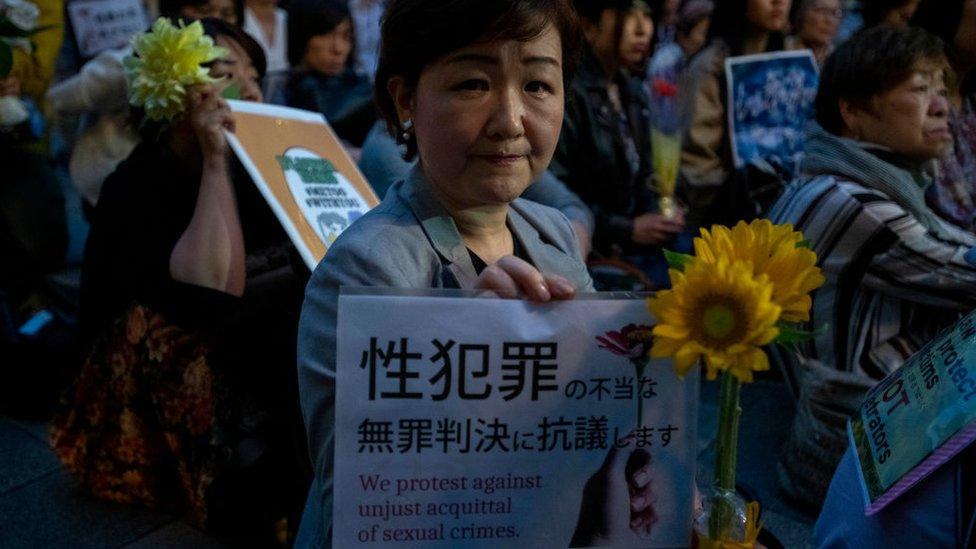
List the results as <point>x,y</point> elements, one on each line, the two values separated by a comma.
<point>722,321</point>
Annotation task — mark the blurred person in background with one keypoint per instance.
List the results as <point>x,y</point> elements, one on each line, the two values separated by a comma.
<point>33,228</point>
<point>691,35</point>
<point>268,24</point>
<point>953,194</point>
<point>815,24</point>
<point>99,92</point>
<point>604,149</point>
<point>738,27</point>
<point>321,50</point>
<point>190,293</point>
<point>366,16</point>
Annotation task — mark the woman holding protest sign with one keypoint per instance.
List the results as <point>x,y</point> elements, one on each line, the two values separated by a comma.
<point>476,90</point>
<point>738,27</point>
<point>189,305</point>
<point>896,272</point>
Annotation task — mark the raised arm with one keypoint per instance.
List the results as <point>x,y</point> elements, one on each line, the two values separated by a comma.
<point>210,253</point>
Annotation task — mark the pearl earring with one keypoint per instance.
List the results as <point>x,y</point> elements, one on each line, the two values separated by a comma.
<point>407,127</point>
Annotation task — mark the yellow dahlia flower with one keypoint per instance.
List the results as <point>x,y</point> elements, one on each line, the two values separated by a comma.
<point>722,312</point>
<point>775,251</point>
<point>168,59</point>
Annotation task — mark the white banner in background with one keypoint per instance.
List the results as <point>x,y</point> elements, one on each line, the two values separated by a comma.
<point>500,423</point>
<point>101,25</point>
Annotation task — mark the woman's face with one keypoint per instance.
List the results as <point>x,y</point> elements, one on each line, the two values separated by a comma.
<point>820,22</point>
<point>964,43</point>
<point>635,37</point>
<point>327,53</point>
<point>900,16</point>
<point>632,47</point>
<point>217,9</point>
<point>910,119</point>
<point>768,15</point>
<point>236,69</point>
<point>486,117</point>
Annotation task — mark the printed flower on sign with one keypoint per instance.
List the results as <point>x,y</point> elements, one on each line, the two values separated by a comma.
<point>168,60</point>
<point>633,341</point>
<point>776,251</point>
<point>721,312</point>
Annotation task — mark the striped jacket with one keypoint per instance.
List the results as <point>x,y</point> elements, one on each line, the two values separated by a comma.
<point>891,284</point>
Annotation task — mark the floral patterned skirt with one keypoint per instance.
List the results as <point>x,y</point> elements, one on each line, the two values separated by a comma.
<point>142,421</point>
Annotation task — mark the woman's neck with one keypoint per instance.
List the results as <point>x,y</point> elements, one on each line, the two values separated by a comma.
<point>755,42</point>
<point>483,228</point>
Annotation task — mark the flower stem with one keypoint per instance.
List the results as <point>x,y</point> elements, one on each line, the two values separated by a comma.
<point>640,364</point>
<point>719,523</point>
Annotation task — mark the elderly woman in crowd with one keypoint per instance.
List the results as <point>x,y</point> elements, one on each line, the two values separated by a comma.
<point>815,25</point>
<point>896,272</point>
<point>189,306</point>
<point>953,195</point>
<point>738,27</point>
<point>476,89</point>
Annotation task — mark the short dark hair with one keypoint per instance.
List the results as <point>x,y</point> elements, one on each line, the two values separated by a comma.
<point>218,27</point>
<point>870,63</point>
<point>415,33</point>
<point>692,13</point>
<point>875,11</point>
<point>310,18</point>
<point>729,25</point>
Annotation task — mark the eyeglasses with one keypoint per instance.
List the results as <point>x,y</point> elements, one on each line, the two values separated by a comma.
<point>835,13</point>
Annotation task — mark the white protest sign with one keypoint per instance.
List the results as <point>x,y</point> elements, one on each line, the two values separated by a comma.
<point>500,423</point>
<point>101,25</point>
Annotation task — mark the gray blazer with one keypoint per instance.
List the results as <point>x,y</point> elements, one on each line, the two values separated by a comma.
<point>408,241</point>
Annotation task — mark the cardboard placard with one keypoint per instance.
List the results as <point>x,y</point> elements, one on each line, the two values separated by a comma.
<point>301,169</point>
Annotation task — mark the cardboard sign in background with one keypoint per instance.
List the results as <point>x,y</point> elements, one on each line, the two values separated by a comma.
<point>264,134</point>
<point>438,444</point>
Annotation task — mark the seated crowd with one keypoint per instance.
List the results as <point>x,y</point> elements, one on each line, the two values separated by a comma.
<point>514,137</point>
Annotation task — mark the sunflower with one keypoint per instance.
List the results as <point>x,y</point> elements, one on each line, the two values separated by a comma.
<point>168,59</point>
<point>722,312</point>
<point>776,251</point>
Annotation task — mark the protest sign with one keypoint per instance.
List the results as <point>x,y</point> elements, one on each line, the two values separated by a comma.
<point>918,417</point>
<point>101,25</point>
<point>303,172</point>
<point>501,423</point>
<point>770,98</point>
